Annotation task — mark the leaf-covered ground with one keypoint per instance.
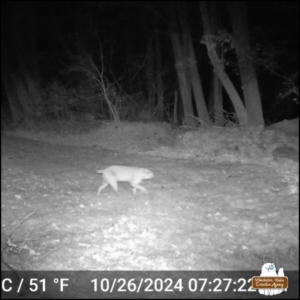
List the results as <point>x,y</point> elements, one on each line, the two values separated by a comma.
<point>199,214</point>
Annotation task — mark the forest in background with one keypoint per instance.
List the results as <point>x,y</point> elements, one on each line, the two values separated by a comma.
<point>186,63</point>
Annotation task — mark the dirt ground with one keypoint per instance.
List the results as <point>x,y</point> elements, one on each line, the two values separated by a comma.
<point>196,216</point>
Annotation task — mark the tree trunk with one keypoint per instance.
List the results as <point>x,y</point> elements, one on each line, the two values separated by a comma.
<point>216,95</point>
<point>22,83</point>
<point>175,119</point>
<point>218,68</point>
<point>192,65</point>
<point>238,14</point>
<point>158,72</point>
<point>182,71</point>
<point>13,101</point>
<point>150,75</point>
<point>196,85</point>
<point>6,70</point>
<point>216,100</point>
<point>183,80</point>
<point>23,97</point>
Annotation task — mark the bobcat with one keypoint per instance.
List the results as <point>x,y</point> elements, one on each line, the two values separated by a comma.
<point>133,175</point>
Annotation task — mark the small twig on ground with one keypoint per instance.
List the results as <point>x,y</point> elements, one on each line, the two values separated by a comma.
<point>49,254</point>
<point>22,221</point>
